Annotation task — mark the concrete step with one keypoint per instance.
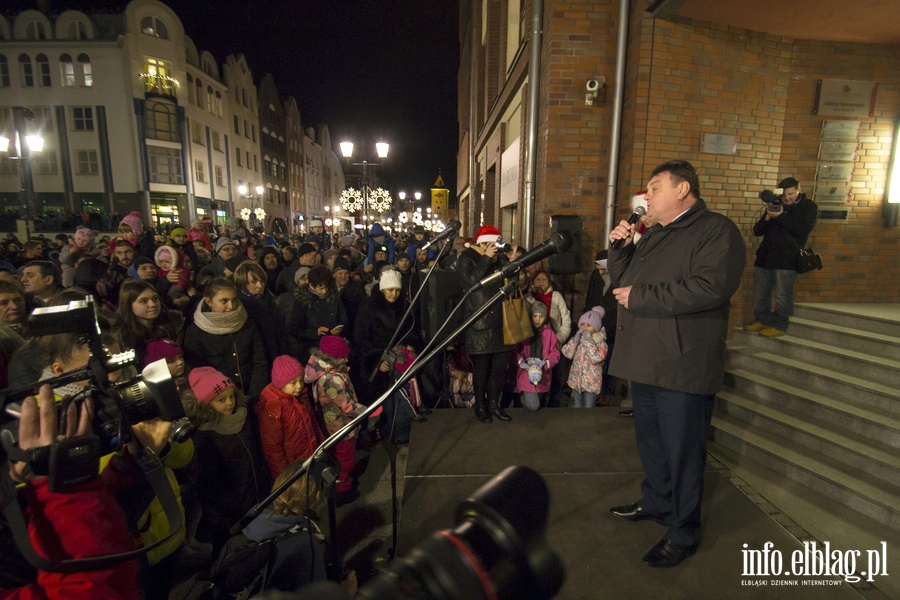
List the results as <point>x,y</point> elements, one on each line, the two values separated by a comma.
<point>855,391</point>
<point>876,344</point>
<point>828,410</point>
<point>863,365</point>
<point>854,488</point>
<point>851,316</point>
<point>857,452</point>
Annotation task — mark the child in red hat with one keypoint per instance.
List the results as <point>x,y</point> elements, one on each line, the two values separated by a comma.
<point>288,427</point>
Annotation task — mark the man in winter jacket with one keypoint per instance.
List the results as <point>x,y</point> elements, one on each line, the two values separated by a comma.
<point>673,288</point>
<point>784,228</point>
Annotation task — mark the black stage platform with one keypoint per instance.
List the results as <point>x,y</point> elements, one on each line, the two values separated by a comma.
<point>589,461</point>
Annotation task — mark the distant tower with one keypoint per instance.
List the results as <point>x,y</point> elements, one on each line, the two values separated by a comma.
<point>440,199</point>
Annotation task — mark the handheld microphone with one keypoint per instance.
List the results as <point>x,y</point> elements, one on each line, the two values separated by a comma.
<point>559,241</point>
<point>452,230</point>
<point>639,212</point>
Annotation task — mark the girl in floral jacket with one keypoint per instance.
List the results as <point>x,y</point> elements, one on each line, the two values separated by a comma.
<point>587,349</point>
<point>329,379</point>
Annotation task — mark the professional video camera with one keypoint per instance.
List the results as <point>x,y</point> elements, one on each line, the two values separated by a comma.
<point>117,405</point>
<point>772,199</point>
<point>497,550</point>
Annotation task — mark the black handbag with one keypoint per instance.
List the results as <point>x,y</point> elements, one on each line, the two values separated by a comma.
<point>808,260</point>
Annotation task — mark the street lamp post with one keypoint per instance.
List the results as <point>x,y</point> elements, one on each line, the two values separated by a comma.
<point>22,146</point>
<point>381,148</point>
<point>253,210</point>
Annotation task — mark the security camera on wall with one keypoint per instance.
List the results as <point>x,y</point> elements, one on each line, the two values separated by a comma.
<point>593,87</point>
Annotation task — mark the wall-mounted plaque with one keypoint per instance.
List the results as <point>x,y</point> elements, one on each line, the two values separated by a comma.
<point>834,171</point>
<point>832,194</point>
<point>714,143</point>
<point>833,215</point>
<point>837,151</point>
<point>840,130</point>
<point>845,98</point>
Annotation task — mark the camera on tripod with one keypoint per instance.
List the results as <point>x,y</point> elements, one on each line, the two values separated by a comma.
<point>117,405</point>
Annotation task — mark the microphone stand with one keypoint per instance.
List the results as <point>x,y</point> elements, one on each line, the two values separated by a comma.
<point>339,435</point>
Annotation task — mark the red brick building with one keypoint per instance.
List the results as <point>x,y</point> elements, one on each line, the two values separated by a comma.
<point>684,78</point>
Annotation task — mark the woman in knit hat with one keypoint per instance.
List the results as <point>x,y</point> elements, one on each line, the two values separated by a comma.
<point>377,320</point>
<point>288,428</point>
<point>484,339</point>
<point>587,349</point>
<point>230,480</point>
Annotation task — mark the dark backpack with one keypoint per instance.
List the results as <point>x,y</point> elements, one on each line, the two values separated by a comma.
<point>242,567</point>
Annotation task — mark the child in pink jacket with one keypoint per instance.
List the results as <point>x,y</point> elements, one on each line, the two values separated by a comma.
<point>588,350</point>
<point>536,358</point>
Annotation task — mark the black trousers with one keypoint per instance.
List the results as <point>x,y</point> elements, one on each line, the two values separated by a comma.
<point>670,428</point>
<point>489,376</point>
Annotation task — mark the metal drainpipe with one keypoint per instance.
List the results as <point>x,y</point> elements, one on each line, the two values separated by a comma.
<point>473,98</point>
<point>613,173</point>
<point>534,85</point>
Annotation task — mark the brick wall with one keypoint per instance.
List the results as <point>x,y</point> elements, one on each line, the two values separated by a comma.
<point>686,79</point>
<point>573,139</point>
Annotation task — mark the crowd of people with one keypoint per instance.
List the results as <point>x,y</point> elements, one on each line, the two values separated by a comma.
<point>273,344</point>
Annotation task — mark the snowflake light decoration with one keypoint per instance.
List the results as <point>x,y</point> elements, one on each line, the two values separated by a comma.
<point>260,214</point>
<point>438,226</point>
<point>351,200</point>
<point>404,218</point>
<point>245,213</point>
<point>380,200</point>
<point>417,218</point>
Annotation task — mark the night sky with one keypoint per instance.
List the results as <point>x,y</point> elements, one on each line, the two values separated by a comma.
<point>370,69</point>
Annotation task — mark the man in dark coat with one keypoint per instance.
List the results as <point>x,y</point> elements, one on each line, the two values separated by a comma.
<point>784,228</point>
<point>674,288</point>
<point>484,339</point>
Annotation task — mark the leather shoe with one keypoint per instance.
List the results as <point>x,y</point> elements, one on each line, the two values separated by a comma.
<point>666,554</point>
<point>482,414</point>
<point>498,412</point>
<point>633,512</point>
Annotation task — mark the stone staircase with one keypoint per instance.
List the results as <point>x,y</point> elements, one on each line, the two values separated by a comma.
<point>821,406</point>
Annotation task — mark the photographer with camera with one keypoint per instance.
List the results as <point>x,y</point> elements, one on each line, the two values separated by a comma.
<point>784,227</point>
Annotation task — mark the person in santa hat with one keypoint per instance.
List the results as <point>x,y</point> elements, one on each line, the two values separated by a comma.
<point>484,339</point>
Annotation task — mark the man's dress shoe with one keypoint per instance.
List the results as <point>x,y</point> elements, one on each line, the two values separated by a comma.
<point>666,554</point>
<point>633,512</point>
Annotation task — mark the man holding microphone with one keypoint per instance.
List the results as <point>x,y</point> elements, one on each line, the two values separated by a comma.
<point>674,288</point>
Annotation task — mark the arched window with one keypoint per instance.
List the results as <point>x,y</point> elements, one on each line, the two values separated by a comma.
<point>76,30</point>
<point>43,70</point>
<point>190,87</point>
<point>210,100</point>
<point>86,72</point>
<point>161,122</point>
<point>199,85</point>
<point>155,27</point>
<point>35,31</point>
<point>4,71</point>
<point>66,71</point>
<point>219,104</point>
<point>27,70</point>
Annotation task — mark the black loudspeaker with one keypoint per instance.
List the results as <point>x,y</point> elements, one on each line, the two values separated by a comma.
<point>442,293</point>
<point>569,262</point>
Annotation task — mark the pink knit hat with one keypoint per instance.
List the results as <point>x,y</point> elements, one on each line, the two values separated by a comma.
<point>284,370</point>
<point>593,317</point>
<point>164,348</point>
<point>207,383</point>
<point>133,220</point>
<point>84,234</point>
<point>334,346</point>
